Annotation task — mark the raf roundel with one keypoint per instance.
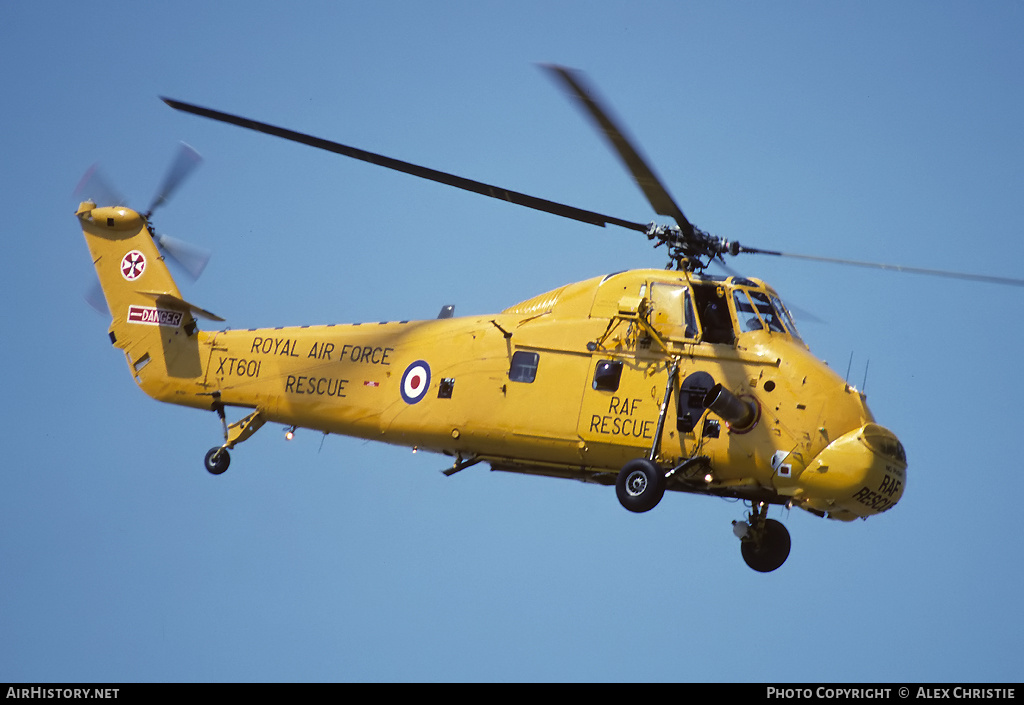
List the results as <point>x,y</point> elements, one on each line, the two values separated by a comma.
<point>415,381</point>
<point>133,265</point>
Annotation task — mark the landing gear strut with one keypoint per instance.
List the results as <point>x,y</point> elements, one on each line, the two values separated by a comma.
<point>217,458</point>
<point>641,483</point>
<point>764,542</point>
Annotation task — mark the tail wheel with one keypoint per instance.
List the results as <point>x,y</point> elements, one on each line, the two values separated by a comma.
<point>217,460</point>
<point>640,485</point>
<point>769,551</point>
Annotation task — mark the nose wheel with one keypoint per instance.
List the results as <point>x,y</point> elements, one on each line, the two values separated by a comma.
<point>764,542</point>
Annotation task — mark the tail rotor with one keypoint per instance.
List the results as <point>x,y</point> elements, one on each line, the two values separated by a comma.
<point>188,258</point>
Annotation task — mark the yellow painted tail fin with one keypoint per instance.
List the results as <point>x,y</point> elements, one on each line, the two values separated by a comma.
<point>151,323</point>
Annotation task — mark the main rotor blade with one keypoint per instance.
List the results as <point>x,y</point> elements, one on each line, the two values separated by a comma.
<point>1009,281</point>
<point>423,172</point>
<point>644,176</point>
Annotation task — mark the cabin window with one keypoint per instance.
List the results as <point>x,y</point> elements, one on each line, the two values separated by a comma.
<point>672,311</point>
<point>607,376</point>
<point>524,366</point>
<point>445,388</point>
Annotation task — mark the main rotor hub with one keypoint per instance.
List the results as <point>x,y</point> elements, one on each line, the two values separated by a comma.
<point>690,251</point>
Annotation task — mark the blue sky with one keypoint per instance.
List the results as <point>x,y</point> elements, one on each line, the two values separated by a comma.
<point>870,130</point>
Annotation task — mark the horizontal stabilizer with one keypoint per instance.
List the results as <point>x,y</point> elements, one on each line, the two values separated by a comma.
<point>174,302</point>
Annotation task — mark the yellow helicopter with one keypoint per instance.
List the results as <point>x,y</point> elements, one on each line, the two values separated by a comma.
<point>649,380</point>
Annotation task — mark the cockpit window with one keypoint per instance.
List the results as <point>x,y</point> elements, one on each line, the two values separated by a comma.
<point>768,313</point>
<point>756,311</point>
<point>748,318</point>
<point>781,308</point>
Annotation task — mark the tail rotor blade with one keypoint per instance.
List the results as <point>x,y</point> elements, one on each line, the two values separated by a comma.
<point>192,258</point>
<point>184,164</point>
<point>95,186</point>
<point>93,296</point>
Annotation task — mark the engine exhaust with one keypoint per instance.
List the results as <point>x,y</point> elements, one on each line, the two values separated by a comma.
<point>740,414</point>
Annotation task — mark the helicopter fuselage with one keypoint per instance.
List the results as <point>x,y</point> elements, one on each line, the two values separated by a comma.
<point>572,383</point>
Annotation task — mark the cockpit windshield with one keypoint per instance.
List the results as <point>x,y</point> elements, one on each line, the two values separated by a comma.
<point>786,315</point>
<point>757,310</point>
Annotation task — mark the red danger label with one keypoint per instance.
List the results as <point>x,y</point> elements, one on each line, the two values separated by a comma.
<point>154,316</point>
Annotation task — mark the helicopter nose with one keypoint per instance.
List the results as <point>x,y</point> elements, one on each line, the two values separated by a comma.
<point>860,474</point>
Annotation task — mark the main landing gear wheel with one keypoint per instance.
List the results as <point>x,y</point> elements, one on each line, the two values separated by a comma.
<point>768,551</point>
<point>640,485</point>
<point>217,460</point>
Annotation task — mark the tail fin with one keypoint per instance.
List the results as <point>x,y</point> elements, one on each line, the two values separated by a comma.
<point>151,323</point>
